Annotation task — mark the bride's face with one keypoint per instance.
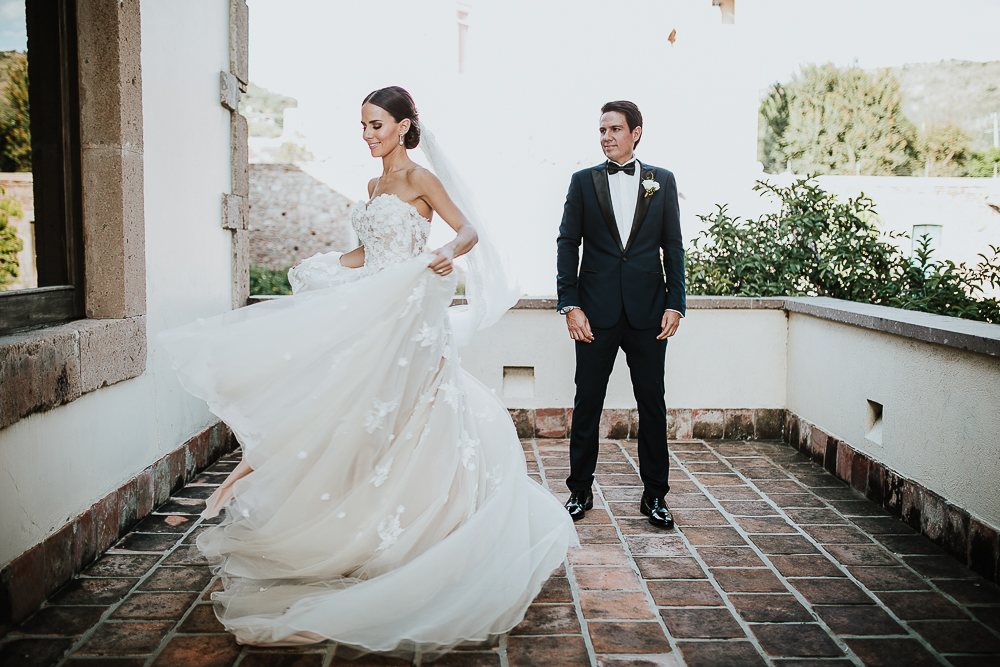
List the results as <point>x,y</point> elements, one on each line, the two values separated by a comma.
<point>381,131</point>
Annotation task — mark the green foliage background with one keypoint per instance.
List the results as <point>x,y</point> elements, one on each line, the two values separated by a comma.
<point>831,120</point>
<point>816,245</point>
<point>10,244</point>
<point>268,282</point>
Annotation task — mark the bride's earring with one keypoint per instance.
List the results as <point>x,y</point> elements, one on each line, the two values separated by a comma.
<point>401,140</point>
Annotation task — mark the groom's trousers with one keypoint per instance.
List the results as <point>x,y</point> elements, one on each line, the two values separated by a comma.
<point>594,362</point>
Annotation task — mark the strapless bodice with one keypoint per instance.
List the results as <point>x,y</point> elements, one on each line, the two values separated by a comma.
<point>391,231</point>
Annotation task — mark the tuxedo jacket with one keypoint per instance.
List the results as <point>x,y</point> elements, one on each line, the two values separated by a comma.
<point>616,273</point>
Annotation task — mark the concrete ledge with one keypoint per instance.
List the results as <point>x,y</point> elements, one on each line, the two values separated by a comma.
<point>979,337</point>
<point>40,370</point>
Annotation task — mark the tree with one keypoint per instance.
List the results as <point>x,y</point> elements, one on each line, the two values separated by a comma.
<point>845,121</point>
<point>15,129</point>
<point>10,244</point>
<point>772,121</point>
<point>943,149</point>
<point>981,164</point>
<point>816,245</point>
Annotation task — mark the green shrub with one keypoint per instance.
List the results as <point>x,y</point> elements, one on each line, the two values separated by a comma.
<point>268,282</point>
<point>10,243</point>
<point>816,245</point>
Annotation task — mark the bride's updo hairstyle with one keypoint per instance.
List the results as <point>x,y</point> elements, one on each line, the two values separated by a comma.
<point>400,105</point>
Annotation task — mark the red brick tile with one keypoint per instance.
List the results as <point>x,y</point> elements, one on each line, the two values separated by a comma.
<point>858,620</point>
<point>547,651</point>
<point>730,557</point>
<point>144,493</point>
<point>738,425</point>
<point>548,619</point>
<point>795,639</point>
<point>153,543</point>
<point>707,424</point>
<point>178,579</point>
<point>185,556</point>
<point>970,591</point>
<point>689,517</point>
<point>272,659</point>
<point>595,517</point>
<point>678,593</point>
<point>203,651</point>
<point>734,493</point>
<point>614,424</point>
<point>607,578</point>
<point>57,553</point>
<point>165,523</point>
<point>33,652</point>
<point>122,565</point>
<point>891,652</point>
<point>836,534</point>
<point>720,654</point>
<point>106,521</point>
<point>889,579</point>
<point>127,506</point>
<point>615,605</point>
<point>679,424</point>
<point>745,580</point>
<point>749,508</point>
<point>713,536</point>
<point>670,568</point>
<point>556,589</point>
<point>598,554</point>
<point>665,545</point>
<point>783,544</point>
<point>805,566</point>
<point>202,619</point>
<point>764,524</point>
<point>830,591</point>
<point>126,639</point>
<point>550,423</point>
<point>27,583</point>
<point>715,623</point>
<point>84,541</point>
<point>920,606</point>
<point>627,638</point>
<point>154,606</point>
<point>61,621</point>
<point>597,534</point>
<point>860,554</point>
<point>769,608</point>
<point>938,567</point>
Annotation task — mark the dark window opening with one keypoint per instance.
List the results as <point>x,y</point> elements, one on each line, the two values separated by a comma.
<point>48,289</point>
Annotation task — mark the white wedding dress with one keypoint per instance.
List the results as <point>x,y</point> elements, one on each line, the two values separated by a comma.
<point>383,501</point>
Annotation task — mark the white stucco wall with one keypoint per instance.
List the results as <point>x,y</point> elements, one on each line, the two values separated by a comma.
<point>941,418</point>
<point>717,359</point>
<point>58,463</point>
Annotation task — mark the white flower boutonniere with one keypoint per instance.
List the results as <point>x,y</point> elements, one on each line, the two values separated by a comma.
<point>649,185</point>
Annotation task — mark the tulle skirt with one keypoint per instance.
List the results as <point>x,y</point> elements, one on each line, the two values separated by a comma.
<point>388,507</point>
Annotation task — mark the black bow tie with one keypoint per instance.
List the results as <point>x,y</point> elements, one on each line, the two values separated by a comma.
<point>614,168</point>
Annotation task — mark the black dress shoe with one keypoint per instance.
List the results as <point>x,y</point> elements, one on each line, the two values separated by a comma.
<point>656,509</point>
<point>579,502</point>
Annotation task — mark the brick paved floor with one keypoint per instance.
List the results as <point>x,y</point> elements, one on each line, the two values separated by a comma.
<point>775,562</point>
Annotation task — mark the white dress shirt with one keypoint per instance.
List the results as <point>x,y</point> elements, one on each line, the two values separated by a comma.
<point>624,195</point>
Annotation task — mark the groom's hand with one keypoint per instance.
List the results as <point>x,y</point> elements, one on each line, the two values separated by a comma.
<point>579,326</point>
<point>671,319</point>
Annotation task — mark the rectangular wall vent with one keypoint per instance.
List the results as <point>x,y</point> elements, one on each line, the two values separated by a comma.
<point>519,381</point>
<point>873,425</point>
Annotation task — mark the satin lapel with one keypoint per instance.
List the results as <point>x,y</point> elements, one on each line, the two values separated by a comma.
<point>600,176</point>
<point>641,205</point>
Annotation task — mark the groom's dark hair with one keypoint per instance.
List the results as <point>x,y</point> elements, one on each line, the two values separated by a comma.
<point>633,118</point>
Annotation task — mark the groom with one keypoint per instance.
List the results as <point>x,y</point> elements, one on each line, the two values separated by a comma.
<point>623,296</point>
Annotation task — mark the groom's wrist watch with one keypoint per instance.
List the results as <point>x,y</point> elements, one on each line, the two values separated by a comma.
<point>565,309</point>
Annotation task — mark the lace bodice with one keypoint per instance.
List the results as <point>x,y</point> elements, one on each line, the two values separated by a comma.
<point>390,230</point>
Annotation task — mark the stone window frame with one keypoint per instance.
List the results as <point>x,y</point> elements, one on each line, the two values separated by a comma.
<point>42,369</point>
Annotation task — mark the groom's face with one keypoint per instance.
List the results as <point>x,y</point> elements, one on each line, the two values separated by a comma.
<point>617,141</point>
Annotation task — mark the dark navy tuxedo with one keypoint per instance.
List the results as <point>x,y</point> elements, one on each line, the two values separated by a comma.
<point>623,287</point>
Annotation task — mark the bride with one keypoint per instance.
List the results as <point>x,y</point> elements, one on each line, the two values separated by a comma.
<point>383,500</point>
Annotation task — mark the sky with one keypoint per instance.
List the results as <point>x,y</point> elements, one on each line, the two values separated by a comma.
<point>12,33</point>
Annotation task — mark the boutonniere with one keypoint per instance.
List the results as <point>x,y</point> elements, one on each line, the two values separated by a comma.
<point>649,185</point>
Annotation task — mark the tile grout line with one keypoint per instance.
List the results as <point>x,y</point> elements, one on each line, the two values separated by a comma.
<point>750,637</point>
<point>840,566</point>
<point>571,580</point>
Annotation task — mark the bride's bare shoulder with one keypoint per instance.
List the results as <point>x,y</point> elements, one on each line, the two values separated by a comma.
<point>371,187</point>
<point>423,180</point>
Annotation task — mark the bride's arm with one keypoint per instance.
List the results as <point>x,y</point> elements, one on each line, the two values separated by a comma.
<point>354,259</point>
<point>465,238</point>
